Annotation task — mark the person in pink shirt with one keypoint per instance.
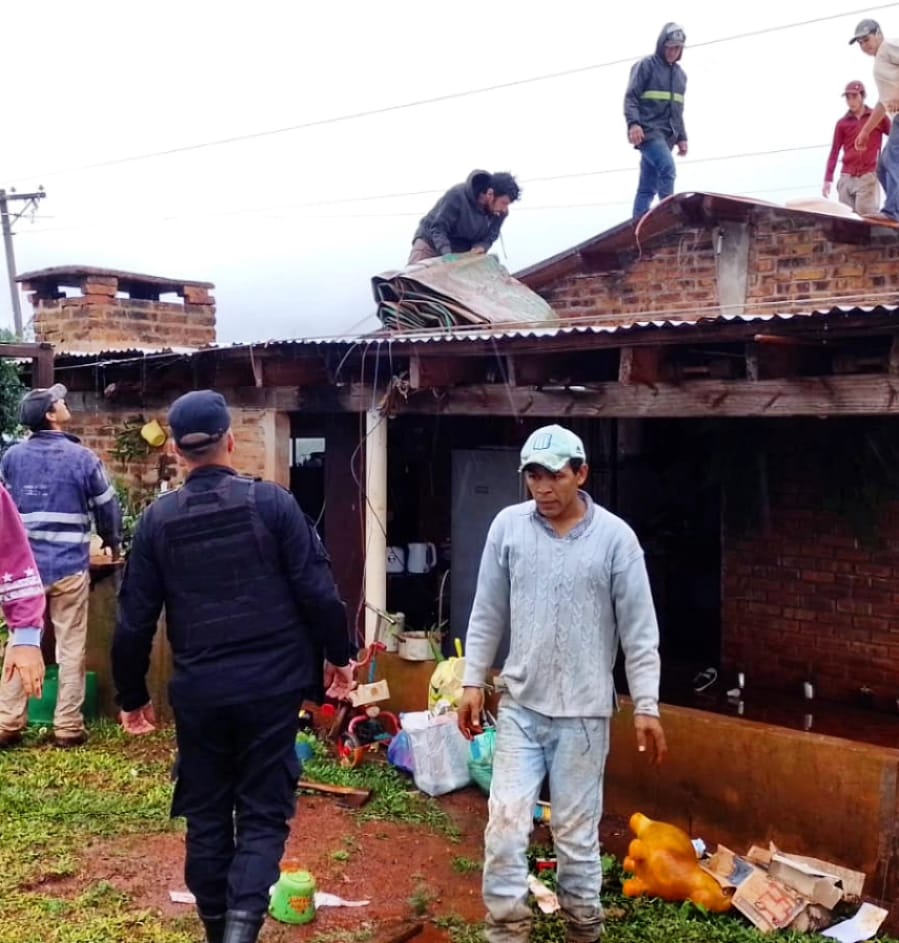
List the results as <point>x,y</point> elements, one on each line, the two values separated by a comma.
<point>22,601</point>
<point>857,185</point>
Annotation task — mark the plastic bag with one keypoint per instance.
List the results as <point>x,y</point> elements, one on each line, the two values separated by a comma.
<point>445,688</point>
<point>439,752</point>
<point>399,752</point>
<point>480,758</point>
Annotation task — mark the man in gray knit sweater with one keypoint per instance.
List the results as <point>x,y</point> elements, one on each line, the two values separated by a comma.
<point>567,580</point>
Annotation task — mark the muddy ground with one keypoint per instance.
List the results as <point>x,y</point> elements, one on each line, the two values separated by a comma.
<point>401,869</point>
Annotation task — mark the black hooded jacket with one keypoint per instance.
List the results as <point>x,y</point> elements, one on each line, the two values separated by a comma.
<point>456,223</point>
<point>655,94</point>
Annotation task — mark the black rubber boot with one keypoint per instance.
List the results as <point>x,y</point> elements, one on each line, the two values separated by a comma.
<point>215,928</point>
<point>241,926</point>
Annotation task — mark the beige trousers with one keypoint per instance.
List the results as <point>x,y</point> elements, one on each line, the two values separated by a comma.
<point>861,194</point>
<point>421,250</point>
<point>67,609</point>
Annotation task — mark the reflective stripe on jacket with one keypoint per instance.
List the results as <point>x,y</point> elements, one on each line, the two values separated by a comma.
<point>60,487</point>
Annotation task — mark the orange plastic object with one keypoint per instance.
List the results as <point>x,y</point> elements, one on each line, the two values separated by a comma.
<point>663,862</point>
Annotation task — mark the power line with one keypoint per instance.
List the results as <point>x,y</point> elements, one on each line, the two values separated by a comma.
<point>337,201</point>
<point>438,99</point>
<point>398,215</point>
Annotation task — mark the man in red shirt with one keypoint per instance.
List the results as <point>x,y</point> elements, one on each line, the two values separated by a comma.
<point>857,186</point>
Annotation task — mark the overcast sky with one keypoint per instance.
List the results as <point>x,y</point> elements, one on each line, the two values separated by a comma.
<point>291,226</point>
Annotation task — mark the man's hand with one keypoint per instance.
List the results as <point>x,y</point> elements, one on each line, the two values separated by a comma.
<point>339,681</point>
<point>471,709</point>
<point>139,721</point>
<point>478,250</point>
<point>861,140</point>
<point>650,737</point>
<point>28,661</point>
<point>635,135</point>
<point>682,148</point>
<point>825,190</point>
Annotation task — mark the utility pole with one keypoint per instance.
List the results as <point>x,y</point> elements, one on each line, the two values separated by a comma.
<point>31,200</point>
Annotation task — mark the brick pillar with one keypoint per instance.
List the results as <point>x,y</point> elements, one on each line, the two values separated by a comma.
<point>112,310</point>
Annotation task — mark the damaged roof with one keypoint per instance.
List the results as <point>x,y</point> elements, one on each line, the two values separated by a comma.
<point>687,209</point>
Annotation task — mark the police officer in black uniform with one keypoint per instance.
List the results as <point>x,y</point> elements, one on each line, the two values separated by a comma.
<point>251,609</point>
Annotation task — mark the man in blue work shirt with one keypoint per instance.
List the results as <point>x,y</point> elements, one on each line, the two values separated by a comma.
<point>251,606</point>
<point>654,112</point>
<point>59,486</point>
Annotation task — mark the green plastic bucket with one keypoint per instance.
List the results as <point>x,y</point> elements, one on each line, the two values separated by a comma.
<point>40,709</point>
<point>293,897</point>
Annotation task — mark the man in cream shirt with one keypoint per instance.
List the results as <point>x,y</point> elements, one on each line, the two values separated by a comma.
<point>870,39</point>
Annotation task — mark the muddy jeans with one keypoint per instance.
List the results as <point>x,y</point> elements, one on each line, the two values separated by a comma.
<point>67,608</point>
<point>861,194</point>
<point>572,751</point>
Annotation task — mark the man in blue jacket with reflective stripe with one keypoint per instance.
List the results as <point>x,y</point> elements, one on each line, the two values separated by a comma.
<point>654,111</point>
<point>59,487</point>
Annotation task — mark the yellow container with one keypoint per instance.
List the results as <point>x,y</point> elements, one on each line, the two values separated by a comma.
<point>293,897</point>
<point>153,433</point>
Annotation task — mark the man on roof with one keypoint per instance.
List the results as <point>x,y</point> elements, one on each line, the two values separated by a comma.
<point>857,186</point>
<point>467,218</point>
<point>870,39</point>
<point>654,111</point>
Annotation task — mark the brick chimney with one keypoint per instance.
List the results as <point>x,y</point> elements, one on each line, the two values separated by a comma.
<point>117,310</point>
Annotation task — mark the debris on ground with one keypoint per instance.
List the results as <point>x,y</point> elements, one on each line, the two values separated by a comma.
<point>778,891</point>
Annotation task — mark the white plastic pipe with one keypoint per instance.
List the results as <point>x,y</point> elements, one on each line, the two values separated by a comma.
<point>375,520</point>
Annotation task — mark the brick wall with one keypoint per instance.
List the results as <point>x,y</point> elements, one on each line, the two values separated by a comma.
<point>791,259</point>
<point>647,284</point>
<point>261,448</point>
<point>817,591</point>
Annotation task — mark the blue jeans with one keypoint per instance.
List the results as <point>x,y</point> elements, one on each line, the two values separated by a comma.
<point>572,751</point>
<point>888,171</point>
<point>657,174</point>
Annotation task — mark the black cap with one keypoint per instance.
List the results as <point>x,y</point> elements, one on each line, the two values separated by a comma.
<point>35,405</point>
<point>864,28</point>
<point>198,419</point>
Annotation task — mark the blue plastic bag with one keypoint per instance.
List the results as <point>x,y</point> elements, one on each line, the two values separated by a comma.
<point>399,752</point>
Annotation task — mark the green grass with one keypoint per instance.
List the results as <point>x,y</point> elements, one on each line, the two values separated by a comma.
<point>467,865</point>
<point>394,797</point>
<point>638,921</point>
<point>53,805</point>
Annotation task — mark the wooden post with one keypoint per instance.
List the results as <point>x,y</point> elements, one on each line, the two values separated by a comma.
<point>375,519</point>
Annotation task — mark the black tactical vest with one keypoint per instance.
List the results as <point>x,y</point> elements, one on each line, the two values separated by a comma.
<point>232,619</point>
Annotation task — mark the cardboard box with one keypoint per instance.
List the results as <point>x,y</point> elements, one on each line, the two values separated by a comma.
<point>766,903</point>
<point>850,882</point>
<point>814,884</point>
<point>365,694</point>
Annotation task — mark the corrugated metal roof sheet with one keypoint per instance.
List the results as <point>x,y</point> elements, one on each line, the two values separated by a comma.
<point>622,324</point>
<point>613,325</point>
<point>122,353</point>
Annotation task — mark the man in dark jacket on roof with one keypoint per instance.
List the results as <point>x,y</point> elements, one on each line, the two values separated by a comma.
<point>654,111</point>
<point>467,218</point>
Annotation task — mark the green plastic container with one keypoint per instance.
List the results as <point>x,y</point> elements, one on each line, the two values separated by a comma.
<point>293,897</point>
<point>40,709</point>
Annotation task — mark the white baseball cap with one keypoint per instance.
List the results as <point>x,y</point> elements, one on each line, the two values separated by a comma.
<point>552,447</point>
